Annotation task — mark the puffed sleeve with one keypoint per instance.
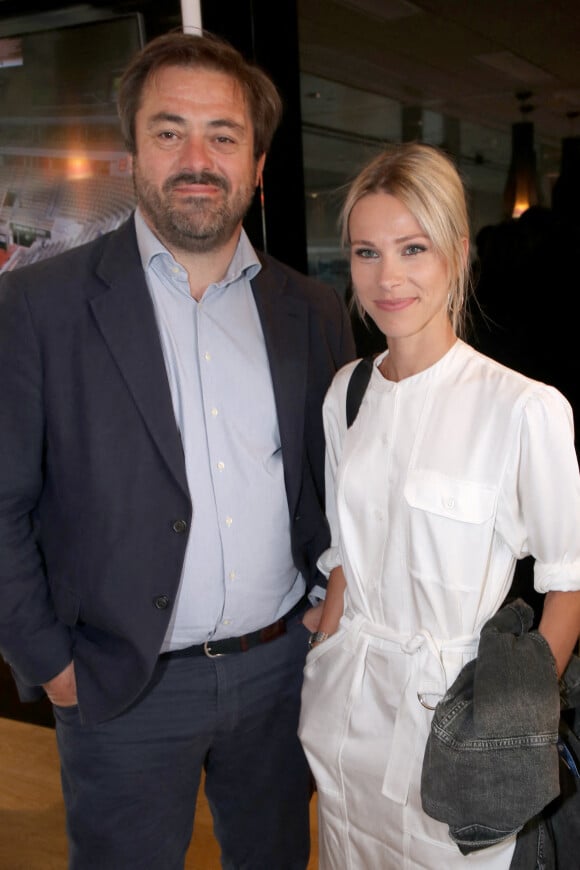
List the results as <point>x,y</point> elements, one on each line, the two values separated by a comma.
<point>334,418</point>
<point>539,506</point>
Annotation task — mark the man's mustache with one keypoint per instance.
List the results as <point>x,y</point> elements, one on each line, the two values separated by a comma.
<point>196,178</point>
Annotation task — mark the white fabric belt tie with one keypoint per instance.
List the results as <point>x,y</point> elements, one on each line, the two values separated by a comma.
<point>431,660</point>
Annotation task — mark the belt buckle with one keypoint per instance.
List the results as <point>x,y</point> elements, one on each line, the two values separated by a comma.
<point>209,654</point>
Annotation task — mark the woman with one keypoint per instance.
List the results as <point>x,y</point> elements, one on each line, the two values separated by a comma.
<point>454,468</point>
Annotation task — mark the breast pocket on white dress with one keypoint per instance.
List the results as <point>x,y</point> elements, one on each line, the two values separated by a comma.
<point>449,530</point>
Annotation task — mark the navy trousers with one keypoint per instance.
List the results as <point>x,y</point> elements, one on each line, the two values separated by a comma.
<point>130,784</point>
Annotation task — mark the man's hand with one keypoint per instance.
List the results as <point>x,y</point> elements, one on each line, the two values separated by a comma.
<point>62,689</point>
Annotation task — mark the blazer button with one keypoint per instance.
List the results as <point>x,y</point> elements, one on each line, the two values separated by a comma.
<point>161,602</point>
<point>179,526</point>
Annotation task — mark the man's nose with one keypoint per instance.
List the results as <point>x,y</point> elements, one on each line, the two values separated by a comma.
<point>196,154</point>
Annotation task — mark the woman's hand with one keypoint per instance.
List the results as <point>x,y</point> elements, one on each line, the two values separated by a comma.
<point>560,625</point>
<point>329,612</point>
<point>311,618</point>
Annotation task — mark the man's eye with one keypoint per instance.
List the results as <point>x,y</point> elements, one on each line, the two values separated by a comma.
<point>225,144</point>
<point>167,135</point>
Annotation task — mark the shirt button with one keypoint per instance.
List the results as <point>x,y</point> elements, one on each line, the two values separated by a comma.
<point>221,466</point>
<point>161,602</point>
<point>450,503</point>
<point>227,622</point>
<point>179,526</point>
<point>207,356</point>
<point>229,521</point>
<point>232,575</point>
<point>214,412</point>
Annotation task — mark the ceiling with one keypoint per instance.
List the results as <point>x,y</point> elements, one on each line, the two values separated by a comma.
<point>465,59</point>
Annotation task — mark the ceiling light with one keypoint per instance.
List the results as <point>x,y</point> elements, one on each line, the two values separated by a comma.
<point>521,190</point>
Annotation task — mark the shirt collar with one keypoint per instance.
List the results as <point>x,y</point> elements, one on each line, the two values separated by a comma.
<point>244,262</point>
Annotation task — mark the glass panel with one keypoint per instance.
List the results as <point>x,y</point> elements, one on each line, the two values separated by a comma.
<point>343,127</point>
<point>65,177</point>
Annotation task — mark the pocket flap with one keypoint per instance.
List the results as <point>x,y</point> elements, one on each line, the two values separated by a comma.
<point>448,497</point>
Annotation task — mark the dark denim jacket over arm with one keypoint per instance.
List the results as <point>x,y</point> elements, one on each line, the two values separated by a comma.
<point>491,762</point>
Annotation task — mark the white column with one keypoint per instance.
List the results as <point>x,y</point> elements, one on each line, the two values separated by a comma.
<point>191,16</point>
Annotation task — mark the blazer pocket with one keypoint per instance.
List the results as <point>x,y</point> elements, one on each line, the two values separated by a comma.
<point>448,497</point>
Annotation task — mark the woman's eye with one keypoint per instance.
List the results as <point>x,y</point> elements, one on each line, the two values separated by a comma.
<point>411,250</point>
<point>365,253</point>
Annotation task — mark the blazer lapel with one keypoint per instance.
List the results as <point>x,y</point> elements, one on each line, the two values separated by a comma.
<point>284,321</point>
<point>126,318</point>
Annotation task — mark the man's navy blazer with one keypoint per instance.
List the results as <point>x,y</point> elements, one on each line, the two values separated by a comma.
<point>94,503</point>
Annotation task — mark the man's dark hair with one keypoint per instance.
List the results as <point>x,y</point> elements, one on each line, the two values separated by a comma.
<point>201,52</point>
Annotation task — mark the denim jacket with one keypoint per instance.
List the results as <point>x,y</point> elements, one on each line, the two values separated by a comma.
<point>491,763</point>
<point>551,840</point>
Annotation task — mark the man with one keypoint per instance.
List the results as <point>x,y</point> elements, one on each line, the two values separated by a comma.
<point>161,483</point>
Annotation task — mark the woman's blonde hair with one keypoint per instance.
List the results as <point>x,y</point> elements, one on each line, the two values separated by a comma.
<point>428,184</point>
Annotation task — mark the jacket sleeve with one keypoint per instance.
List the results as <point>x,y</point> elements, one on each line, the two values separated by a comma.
<point>334,416</point>
<point>32,640</point>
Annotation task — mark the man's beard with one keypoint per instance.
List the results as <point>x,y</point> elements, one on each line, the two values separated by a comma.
<point>196,224</point>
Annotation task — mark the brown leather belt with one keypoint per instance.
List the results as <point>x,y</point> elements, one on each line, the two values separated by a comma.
<point>228,645</point>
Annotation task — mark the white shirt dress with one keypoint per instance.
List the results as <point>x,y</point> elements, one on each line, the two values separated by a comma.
<point>443,481</point>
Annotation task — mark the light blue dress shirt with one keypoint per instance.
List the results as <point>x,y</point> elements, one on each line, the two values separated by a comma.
<point>238,574</point>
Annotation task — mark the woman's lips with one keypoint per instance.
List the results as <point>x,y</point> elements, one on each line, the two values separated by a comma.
<point>394,304</point>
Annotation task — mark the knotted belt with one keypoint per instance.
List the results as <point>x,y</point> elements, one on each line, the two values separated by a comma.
<point>426,684</point>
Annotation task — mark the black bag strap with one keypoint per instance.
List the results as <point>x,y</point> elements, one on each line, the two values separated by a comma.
<point>357,386</point>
